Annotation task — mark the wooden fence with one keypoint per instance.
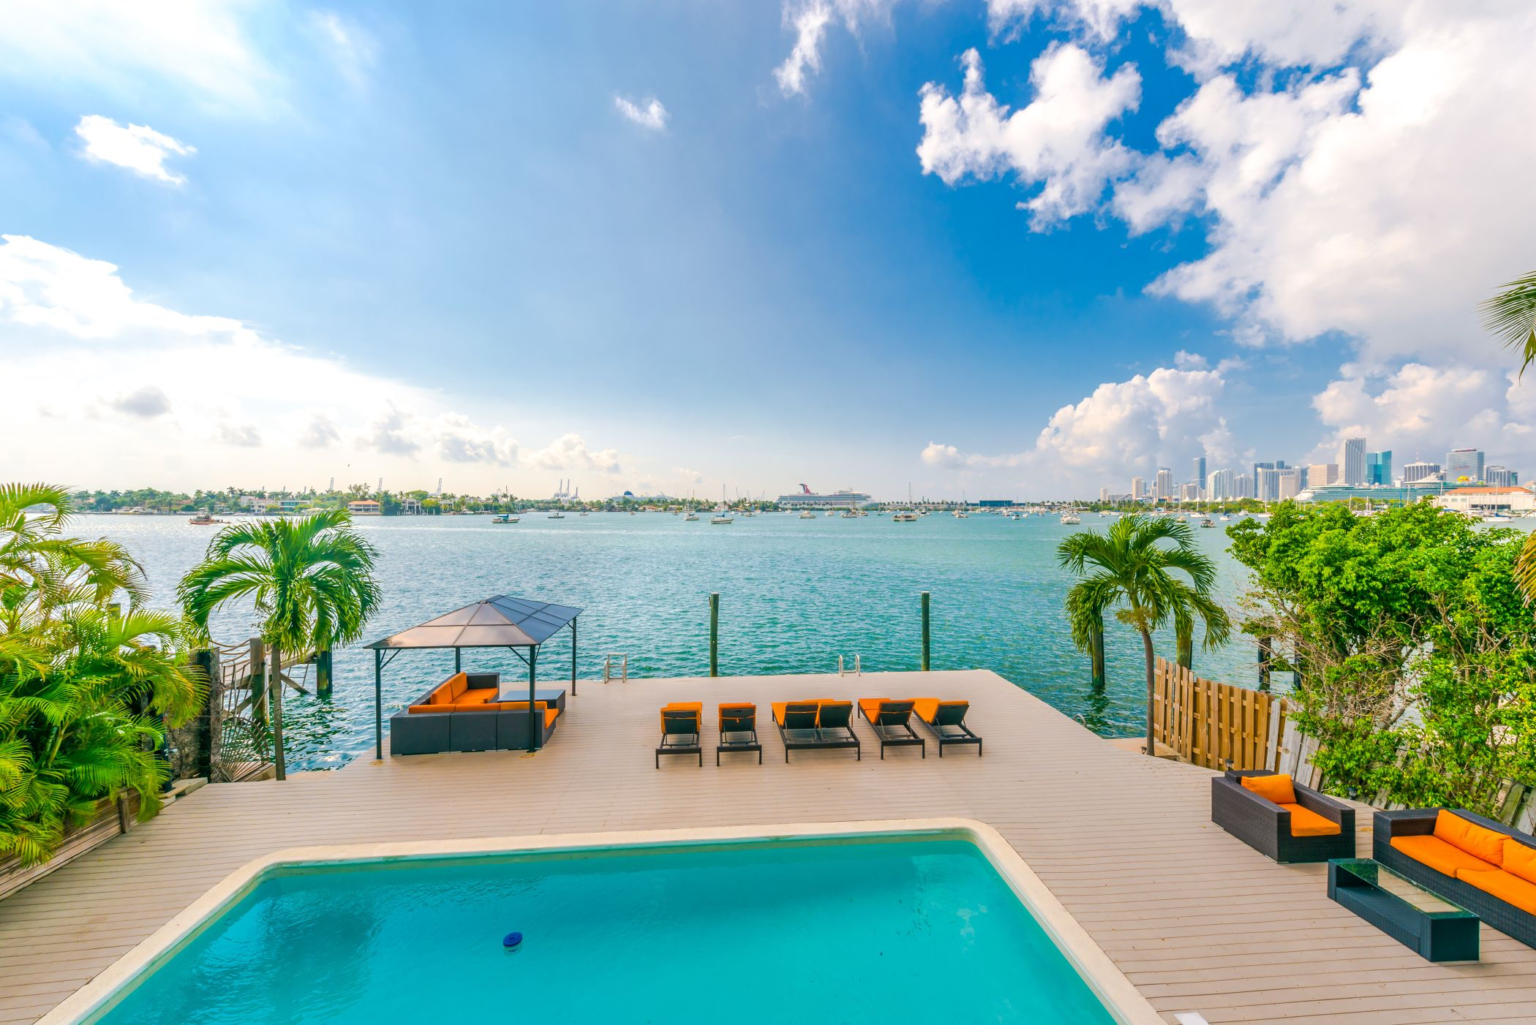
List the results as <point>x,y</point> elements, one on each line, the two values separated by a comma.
<point>1220,726</point>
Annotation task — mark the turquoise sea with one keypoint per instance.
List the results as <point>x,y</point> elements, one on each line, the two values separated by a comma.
<point>854,932</point>
<point>794,595</point>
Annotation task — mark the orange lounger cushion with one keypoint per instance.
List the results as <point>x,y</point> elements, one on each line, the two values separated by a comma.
<point>1306,822</point>
<point>550,715</point>
<point>1511,889</point>
<point>926,708</point>
<point>696,707</point>
<point>1276,788</point>
<point>871,706</point>
<point>1520,859</point>
<point>736,709</point>
<point>1439,855</point>
<point>1480,842</point>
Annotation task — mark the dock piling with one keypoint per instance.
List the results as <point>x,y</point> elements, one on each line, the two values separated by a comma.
<point>714,634</point>
<point>927,635</point>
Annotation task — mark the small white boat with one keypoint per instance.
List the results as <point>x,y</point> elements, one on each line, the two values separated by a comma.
<point>1204,523</point>
<point>850,515</point>
<point>721,519</point>
<point>504,518</point>
<point>557,516</point>
<point>690,518</point>
<point>807,515</point>
<point>904,517</point>
<point>1071,519</point>
<point>961,514</point>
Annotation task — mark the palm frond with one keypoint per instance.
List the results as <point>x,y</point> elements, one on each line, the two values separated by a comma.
<point>1511,315</point>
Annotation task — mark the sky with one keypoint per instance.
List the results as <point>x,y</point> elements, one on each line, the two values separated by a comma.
<point>999,248</point>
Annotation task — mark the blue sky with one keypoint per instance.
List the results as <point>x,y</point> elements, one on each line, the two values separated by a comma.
<point>383,240</point>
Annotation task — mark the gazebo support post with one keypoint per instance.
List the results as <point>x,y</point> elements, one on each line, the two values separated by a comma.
<point>457,666</point>
<point>378,704</point>
<point>535,725</point>
<point>573,658</point>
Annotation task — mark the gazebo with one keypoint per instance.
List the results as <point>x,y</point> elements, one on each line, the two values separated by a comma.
<point>518,624</point>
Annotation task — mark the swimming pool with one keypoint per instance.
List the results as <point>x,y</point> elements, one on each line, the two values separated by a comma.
<point>848,928</point>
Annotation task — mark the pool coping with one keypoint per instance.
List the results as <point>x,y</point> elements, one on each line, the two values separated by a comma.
<point>1123,1001</point>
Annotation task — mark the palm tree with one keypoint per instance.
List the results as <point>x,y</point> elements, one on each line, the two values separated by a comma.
<point>83,687</point>
<point>1512,316</point>
<point>311,581</point>
<point>1130,571</point>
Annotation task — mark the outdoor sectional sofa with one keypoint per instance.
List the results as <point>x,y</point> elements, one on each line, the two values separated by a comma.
<point>462,714</point>
<point>1482,865</point>
<point>1310,828</point>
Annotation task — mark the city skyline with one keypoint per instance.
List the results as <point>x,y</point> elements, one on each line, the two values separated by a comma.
<point>974,247</point>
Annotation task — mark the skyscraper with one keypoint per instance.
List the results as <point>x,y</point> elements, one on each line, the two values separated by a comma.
<point>1138,489</point>
<point>1218,486</point>
<point>1164,487</point>
<point>1464,465</point>
<point>1500,477</point>
<point>1378,467</point>
<point>1419,470</point>
<point>1262,466</point>
<point>1288,483</point>
<point>1320,475</point>
<point>1242,486</point>
<point>1267,483</point>
<point>1354,460</point>
<point>1199,476</point>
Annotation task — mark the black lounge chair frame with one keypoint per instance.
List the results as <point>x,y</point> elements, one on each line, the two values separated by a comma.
<point>893,726</point>
<point>676,738</point>
<point>1266,827</point>
<point>1504,917</point>
<point>740,723</point>
<point>950,728</point>
<point>802,730</point>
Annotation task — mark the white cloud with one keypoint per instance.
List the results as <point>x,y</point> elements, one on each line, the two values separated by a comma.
<point>1057,141</point>
<point>351,48</point>
<point>690,476</point>
<point>225,397</point>
<point>139,148</point>
<point>809,20</point>
<point>1360,166</point>
<point>653,115</point>
<point>1424,410</point>
<point>1123,429</point>
<point>147,402</point>
<point>201,47</point>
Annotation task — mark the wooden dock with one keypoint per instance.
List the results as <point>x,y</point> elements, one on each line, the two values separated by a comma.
<point>1197,920</point>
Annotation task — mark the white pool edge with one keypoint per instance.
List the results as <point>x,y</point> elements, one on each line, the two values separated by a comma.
<point>1101,974</point>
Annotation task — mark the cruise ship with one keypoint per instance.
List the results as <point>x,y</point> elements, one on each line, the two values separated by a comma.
<point>805,498</point>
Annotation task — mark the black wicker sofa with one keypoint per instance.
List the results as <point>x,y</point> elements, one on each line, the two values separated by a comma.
<point>463,714</point>
<point>1504,894</point>
<point>1268,828</point>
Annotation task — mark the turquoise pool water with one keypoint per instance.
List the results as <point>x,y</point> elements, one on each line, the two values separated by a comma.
<point>829,931</point>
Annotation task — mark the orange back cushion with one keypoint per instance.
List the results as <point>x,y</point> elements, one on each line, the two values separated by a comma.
<point>1476,840</point>
<point>1520,860</point>
<point>1277,788</point>
<point>458,684</point>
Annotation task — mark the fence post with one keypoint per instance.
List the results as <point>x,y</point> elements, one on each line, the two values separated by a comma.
<point>927,633</point>
<point>207,660</point>
<point>714,634</point>
<point>258,678</point>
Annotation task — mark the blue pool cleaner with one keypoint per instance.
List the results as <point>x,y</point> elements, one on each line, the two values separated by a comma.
<point>512,941</point>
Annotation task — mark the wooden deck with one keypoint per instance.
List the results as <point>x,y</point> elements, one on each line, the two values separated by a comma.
<point>1198,921</point>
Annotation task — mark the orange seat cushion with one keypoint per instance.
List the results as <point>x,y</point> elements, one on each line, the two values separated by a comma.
<point>1511,889</point>
<point>1520,859</point>
<point>1439,855</point>
<point>550,715</point>
<point>1306,822</point>
<point>478,696</point>
<point>871,707</point>
<point>1480,842</point>
<point>417,709</point>
<point>442,694</point>
<point>1276,788</point>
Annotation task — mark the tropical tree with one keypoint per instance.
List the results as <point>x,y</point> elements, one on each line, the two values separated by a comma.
<point>311,581</point>
<point>1511,315</point>
<point>85,691</point>
<point>1148,571</point>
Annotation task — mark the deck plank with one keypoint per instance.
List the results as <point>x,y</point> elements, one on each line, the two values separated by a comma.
<point>1196,919</point>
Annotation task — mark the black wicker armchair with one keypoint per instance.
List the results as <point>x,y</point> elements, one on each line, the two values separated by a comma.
<point>1266,826</point>
<point>1500,914</point>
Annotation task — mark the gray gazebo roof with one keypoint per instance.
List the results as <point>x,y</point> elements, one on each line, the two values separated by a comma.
<point>498,622</point>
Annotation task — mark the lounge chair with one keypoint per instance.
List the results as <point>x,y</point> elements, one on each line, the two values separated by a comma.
<point>808,725</point>
<point>1280,818</point>
<point>738,730</point>
<point>946,720</point>
<point>892,723</point>
<point>681,725</point>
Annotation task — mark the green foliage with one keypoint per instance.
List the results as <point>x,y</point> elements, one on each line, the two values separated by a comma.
<point>1416,652</point>
<point>83,689</point>
<point>1511,314</point>
<point>1147,570</point>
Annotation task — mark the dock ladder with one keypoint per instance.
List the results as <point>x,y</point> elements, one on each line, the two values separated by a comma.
<point>622,661</point>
